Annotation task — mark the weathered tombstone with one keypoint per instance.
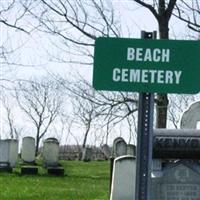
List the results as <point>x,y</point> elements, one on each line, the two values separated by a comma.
<point>119,147</point>
<point>87,154</point>
<point>8,153</point>
<point>4,153</point>
<point>28,150</point>
<point>13,152</point>
<point>191,116</point>
<point>51,157</point>
<point>51,152</point>
<point>180,181</point>
<point>28,156</point>
<point>106,151</point>
<point>131,149</point>
<point>123,178</point>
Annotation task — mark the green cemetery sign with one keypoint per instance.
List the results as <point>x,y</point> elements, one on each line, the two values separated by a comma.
<point>162,66</point>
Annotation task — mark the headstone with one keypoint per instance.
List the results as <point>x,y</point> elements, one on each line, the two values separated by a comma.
<point>13,152</point>
<point>131,149</point>
<point>176,143</point>
<point>8,152</point>
<point>51,152</point>
<point>119,147</point>
<point>87,154</point>
<point>191,116</point>
<point>123,178</point>
<point>28,149</point>
<point>106,151</point>
<point>4,153</point>
<point>180,181</point>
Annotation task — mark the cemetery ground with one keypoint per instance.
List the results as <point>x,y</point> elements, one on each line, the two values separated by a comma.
<point>82,181</point>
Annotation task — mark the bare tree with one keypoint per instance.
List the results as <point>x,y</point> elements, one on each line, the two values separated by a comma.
<point>162,11</point>
<point>41,101</point>
<point>78,23</point>
<point>96,108</point>
<point>189,12</point>
<point>91,19</point>
<point>12,24</point>
<point>11,15</point>
<point>8,118</point>
<point>85,114</point>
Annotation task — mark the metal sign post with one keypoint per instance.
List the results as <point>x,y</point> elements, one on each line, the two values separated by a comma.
<point>144,140</point>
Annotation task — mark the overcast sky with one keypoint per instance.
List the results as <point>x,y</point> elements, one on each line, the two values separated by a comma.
<point>36,49</point>
<point>34,52</point>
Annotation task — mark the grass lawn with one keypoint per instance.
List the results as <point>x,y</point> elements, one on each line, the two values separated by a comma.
<point>82,181</point>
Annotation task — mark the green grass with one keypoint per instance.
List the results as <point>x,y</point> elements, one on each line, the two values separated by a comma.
<point>82,181</point>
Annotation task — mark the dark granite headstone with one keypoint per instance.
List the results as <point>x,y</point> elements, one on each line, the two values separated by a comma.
<point>179,181</point>
<point>176,143</point>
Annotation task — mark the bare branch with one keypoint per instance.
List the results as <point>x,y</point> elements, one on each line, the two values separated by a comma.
<point>148,6</point>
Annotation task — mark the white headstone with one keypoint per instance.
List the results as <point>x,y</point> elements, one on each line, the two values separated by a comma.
<point>13,152</point>
<point>9,151</point>
<point>28,149</point>
<point>4,152</point>
<point>123,179</point>
<point>191,117</point>
<point>51,152</point>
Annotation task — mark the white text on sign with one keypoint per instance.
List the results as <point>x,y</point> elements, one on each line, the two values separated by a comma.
<point>151,55</point>
<point>146,76</point>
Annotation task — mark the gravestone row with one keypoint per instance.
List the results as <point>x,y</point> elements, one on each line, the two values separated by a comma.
<point>9,156</point>
<point>176,164</point>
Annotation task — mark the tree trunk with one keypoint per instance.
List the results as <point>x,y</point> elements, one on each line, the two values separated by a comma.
<point>37,145</point>
<point>85,136</point>
<point>162,99</point>
<point>161,110</point>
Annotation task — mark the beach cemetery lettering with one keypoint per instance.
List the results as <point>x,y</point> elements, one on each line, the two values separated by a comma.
<point>139,65</point>
<point>146,75</point>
